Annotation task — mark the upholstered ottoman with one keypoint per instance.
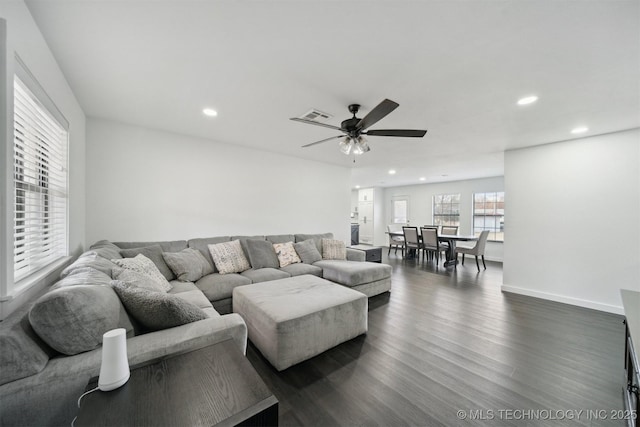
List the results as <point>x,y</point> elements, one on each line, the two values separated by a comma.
<point>370,278</point>
<point>294,319</point>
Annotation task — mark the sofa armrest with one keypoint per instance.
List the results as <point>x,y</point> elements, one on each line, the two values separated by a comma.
<point>50,396</point>
<point>356,255</point>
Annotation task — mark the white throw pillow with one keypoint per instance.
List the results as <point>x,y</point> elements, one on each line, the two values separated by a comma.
<point>286,254</point>
<point>144,265</point>
<point>229,257</point>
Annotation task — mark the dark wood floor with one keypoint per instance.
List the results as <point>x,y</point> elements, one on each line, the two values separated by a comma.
<point>449,340</point>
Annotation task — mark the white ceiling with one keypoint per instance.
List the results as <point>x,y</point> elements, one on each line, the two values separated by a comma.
<point>456,68</point>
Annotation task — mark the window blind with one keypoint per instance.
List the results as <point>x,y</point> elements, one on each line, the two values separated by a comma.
<point>40,185</point>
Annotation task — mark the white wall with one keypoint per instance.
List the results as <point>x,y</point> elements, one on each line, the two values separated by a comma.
<point>421,207</point>
<point>22,37</point>
<point>574,220</point>
<point>151,185</point>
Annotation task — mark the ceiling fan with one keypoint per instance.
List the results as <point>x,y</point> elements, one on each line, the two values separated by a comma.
<point>354,128</point>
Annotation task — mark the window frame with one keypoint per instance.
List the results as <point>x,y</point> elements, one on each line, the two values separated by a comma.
<point>496,229</point>
<point>436,212</point>
<point>55,198</point>
<point>394,200</point>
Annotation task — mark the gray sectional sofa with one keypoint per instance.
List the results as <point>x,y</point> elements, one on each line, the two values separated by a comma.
<point>41,377</point>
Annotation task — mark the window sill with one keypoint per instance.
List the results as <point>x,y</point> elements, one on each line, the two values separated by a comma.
<point>35,278</point>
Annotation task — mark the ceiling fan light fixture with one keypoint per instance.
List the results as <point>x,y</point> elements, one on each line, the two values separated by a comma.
<point>346,145</point>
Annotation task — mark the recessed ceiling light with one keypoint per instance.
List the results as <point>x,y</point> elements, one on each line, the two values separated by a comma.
<point>527,100</point>
<point>210,112</point>
<point>392,171</point>
<point>581,129</point>
<point>357,186</point>
<point>422,178</point>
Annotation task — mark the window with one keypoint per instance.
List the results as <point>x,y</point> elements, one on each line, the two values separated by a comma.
<point>446,209</point>
<point>39,183</point>
<point>488,214</point>
<point>399,211</point>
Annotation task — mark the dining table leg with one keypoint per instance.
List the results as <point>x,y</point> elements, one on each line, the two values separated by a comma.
<point>451,254</point>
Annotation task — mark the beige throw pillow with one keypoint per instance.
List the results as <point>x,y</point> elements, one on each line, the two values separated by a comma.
<point>286,254</point>
<point>229,257</point>
<point>333,249</point>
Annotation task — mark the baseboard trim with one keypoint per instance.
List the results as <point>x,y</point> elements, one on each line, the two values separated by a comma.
<point>564,299</point>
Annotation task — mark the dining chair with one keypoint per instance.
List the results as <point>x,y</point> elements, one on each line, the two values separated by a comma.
<point>450,229</point>
<point>411,240</point>
<point>477,249</point>
<point>437,227</point>
<point>431,244</point>
<point>395,241</point>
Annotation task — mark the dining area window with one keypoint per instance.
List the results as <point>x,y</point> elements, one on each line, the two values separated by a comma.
<point>488,214</point>
<point>400,208</point>
<point>446,209</point>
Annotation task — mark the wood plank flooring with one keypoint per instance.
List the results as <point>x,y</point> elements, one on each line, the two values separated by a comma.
<point>448,340</point>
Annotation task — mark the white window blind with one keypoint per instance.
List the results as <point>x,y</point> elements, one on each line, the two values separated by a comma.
<point>40,184</point>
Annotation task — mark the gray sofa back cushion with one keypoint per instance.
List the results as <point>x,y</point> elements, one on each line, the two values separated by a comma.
<point>203,246</point>
<point>167,246</point>
<point>72,319</point>
<point>281,238</point>
<point>90,259</point>
<point>243,242</point>
<point>317,239</point>
<point>154,253</point>
<point>106,249</point>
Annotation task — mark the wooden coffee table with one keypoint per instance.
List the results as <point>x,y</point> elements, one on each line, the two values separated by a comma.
<point>212,386</point>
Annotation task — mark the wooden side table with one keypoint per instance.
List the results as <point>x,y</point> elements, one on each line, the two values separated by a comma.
<point>372,253</point>
<point>212,386</point>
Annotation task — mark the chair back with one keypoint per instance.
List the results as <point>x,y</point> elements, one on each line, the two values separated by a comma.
<point>430,237</point>
<point>450,229</point>
<point>411,235</point>
<point>437,227</point>
<point>394,228</point>
<point>482,241</point>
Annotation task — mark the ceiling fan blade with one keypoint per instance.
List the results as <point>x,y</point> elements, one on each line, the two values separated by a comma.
<point>379,112</point>
<point>413,133</point>
<point>311,122</point>
<point>322,140</point>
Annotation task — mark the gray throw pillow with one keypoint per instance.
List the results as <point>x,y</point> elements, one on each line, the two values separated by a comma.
<point>156,310</point>
<point>188,265</point>
<point>261,254</point>
<point>106,249</point>
<point>72,319</point>
<point>154,253</point>
<point>90,259</point>
<point>307,251</point>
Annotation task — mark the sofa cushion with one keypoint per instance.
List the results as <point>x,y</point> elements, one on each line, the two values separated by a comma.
<point>333,249</point>
<point>167,246</point>
<point>177,287</point>
<point>90,259</point>
<point>307,251</point>
<point>265,274</point>
<point>353,273</point>
<point>317,239</point>
<point>106,249</point>
<point>195,297</point>
<point>243,242</point>
<point>144,265</point>
<point>154,253</point>
<point>286,254</point>
<point>281,238</point>
<point>229,257</point>
<point>22,352</point>
<point>218,286</point>
<point>137,279</point>
<point>72,319</point>
<point>157,310</point>
<point>261,254</point>
<point>299,269</point>
<point>188,265</point>
<point>203,246</point>
<point>83,276</point>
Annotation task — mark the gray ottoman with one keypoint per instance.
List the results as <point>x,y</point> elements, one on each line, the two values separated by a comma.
<point>294,319</point>
<point>370,278</point>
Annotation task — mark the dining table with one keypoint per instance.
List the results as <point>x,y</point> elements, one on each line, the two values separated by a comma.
<point>451,239</point>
